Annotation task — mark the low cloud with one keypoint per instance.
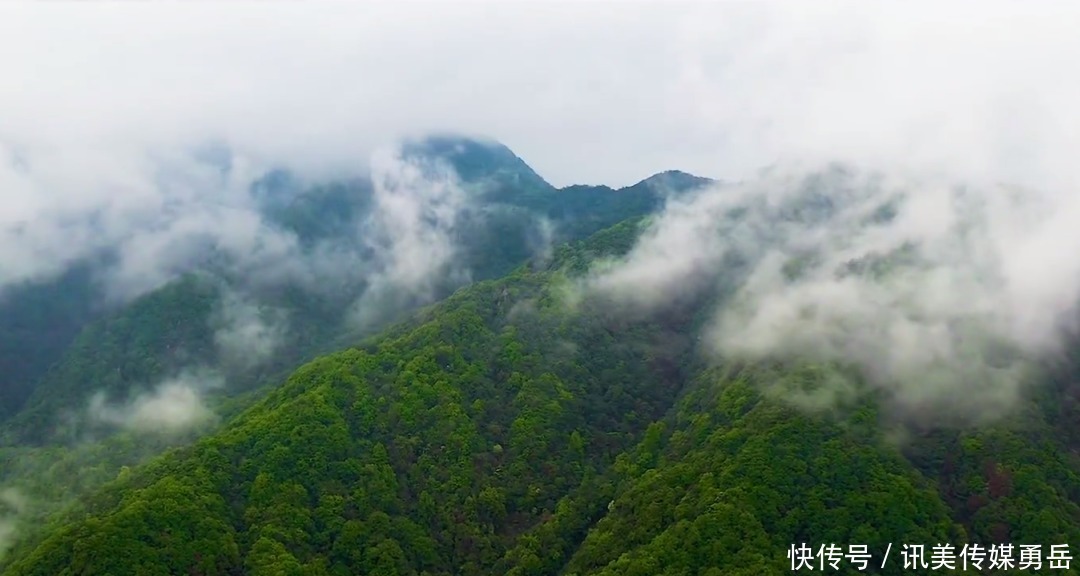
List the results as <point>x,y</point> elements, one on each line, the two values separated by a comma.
<point>12,506</point>
<point>173,406</point>
<point>154,216</point>
<point>156,213</point>
<point>726,88</point>
<point>942,294</point>
<point>410,231</point>
<point>247,334</point>
<point>541,238</point>
<point>95,145</point>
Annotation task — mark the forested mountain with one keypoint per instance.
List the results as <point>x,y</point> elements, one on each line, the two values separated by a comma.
<point>40,321</point>
<point>90,383</point>
<point>61,341</point>
<point>527,426</point>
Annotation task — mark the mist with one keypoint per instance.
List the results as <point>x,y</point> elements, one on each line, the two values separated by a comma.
<point>98,145</point>
<point>247,334</point>
<point>170,407</point>
<point>410,230</point>
<point>12,505</point>
<point>102,127</point>
<point>945,295</point>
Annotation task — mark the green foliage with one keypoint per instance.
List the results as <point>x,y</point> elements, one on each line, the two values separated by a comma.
<point>386,457</point>
<point>499,432</point>
<point>154,337</point>
<point>734,486</point>
<point>57,349</point>
<point>40,320</point>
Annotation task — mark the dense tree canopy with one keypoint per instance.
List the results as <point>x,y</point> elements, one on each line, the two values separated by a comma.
<point>500,430</point>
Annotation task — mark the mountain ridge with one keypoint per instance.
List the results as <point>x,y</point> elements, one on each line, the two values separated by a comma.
<point>323,216</point>
<point>500,432</point>
<point>524,421</point>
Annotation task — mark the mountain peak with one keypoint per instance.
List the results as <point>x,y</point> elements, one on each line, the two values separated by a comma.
<point>476,159</point>
<point>674,181</point>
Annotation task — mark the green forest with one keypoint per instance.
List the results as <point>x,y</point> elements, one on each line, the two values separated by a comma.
<point>503,430</point>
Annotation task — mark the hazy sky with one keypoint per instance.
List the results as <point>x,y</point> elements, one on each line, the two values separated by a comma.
<point>103,102</point>
<point>585,92</point>
<point>100,103</point>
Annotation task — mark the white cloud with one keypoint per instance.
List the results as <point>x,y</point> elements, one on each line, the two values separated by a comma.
<point>174,405</point>
<point>101,103</point>
<point>247,334</point>
<point>714,88</point>
<point>416,208</point>
<point>970,284</point>
<point>12,506</point>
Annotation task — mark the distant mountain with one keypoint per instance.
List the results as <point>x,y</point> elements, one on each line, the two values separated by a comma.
<point>482,162</point>
<point>501,432</point>
<point>60,344</point>
<point>674,181</point>
<point>584,209</point>
<point>38,321</point>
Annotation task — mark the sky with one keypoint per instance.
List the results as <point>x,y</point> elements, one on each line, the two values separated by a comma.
<point>584,92</point>
<point>103,103</point>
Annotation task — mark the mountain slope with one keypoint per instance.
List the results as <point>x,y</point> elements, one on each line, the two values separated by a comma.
<point>40,321</point>
<point>160,333</point>
<point>490,236</point>
<point>510,429</point>
<point>499,432</point>
<point>81,397</point>
<point>494,402</point>
<point>502,174</point>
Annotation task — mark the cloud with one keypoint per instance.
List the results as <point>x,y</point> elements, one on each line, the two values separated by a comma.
<point>410,229</point>
<point>541,238</point>
<point>182,212</point>
<point>247,334</point>
<point>158,214</point>
<point>12,505</point>
<point>95,144</point>
<point>847,82</point>
<point>172,406</point>
<point>194,212</point>
<point>942,293</point>
<point>720,88</point>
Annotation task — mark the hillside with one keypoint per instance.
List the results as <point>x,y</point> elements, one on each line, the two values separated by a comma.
<point>539,289</point>
<point>92,384</point>
<point>62,340</point>
<point>40,322</point>
<point>503,431</point>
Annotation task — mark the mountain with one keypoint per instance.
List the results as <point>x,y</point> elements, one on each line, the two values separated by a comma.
<point>41,319</point>
<point>532,423</point>
<point>499,432</point>
<point>48,372</point>
<point>673,181</point>
<point>479,161</point>
<point>78,366</point>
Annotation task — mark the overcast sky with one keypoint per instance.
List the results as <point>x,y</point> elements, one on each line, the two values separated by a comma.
<point>102,103</point>
<point>584,92</point>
